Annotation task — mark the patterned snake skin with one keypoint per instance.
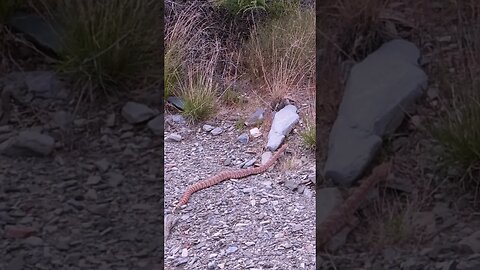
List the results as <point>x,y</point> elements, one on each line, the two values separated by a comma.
<point>228,175</point>
<point>342,216</point>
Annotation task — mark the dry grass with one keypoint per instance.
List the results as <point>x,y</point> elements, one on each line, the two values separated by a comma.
<point>109,45</point>
<point>183,33</point>
<point>280,55</point>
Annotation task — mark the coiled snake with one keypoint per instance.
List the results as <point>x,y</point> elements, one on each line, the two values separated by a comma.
<point>225,175</point>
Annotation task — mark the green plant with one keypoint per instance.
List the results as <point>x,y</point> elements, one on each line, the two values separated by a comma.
<point>309,136</point>
<point>109,45</point>
<point>199,89</point>
<point>280,55</point>
<point>7,7</point>
<point>240,124</point>
<point>459,132</point>
<point>199,97</point>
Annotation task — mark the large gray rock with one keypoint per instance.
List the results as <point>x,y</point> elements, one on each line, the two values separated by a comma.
<point>283,122</point>
<point>379,91</point>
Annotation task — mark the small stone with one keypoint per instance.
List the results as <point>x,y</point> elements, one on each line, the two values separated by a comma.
<point>249,163</point>
<point>291,184</point>
<point>248,244</point>
<point>255,132</point>
<point>178,119</point>
<point>307,193</point>
<point>93,180</point>
<point>211,265</point>
<point>263,201</point>
<point>174,137</point>
<point>184,253</point>
<point>208,128</point>
<point>63,243</point>
<point>103,165</point>
<point>34,241</point>
<point>256,117</point>
<point>216,131</point>
<point>243,138</point>
<point>115,179</point>
<point>266,156</point>
<point>231,249</point>
<point>247,190</point>
<point>91,194</point>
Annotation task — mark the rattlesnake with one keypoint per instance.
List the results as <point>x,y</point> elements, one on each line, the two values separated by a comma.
<point>342,216</point>
<point>222,176</point>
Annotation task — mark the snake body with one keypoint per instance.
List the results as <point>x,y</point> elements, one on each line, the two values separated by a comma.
<point>222,176</point>
<point>342,216</point>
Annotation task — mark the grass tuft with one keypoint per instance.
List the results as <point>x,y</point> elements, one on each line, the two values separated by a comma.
<point>199,89</point>
<point>309,136</point>
<point>109,45</point>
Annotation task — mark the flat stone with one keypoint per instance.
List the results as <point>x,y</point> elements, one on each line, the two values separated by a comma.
<point>283,122</point>
<point>28,143</point>
<point>174,137</point>
<point>177,102</point>
<point>136,113</point>
<point>379,91</point>
<point>216,131</point>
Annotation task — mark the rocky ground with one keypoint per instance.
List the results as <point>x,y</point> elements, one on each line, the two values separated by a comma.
<point>78,192</point>
<point>264,221</point>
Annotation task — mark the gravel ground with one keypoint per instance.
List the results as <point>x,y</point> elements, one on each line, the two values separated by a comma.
<point>95,206</point>
<point>264,221</point>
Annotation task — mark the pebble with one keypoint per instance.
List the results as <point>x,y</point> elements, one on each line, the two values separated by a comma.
<point>255,132</point>
<point>208,128</point>
<point>231,249</point>
<point>173,137</point>
<point>216,131</point>
<point>34,241</point>
<point>243,138</point>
